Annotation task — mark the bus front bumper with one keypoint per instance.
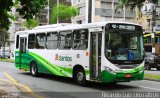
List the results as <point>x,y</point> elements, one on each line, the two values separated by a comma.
<point>108,77</point>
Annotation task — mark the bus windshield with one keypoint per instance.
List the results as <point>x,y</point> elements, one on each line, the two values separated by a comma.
<point>124,47</point>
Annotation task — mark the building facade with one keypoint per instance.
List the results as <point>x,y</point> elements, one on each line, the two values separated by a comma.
<point>43,16</point>
<point>101,10</point>
<point>104,10</point>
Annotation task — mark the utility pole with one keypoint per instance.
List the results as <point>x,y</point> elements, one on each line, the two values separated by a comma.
<point>124,11</point>
<point>90,11</point>
<point>4,41</point>
<point>113,9</point>
<point>57,11</point>
<point>153,33</point>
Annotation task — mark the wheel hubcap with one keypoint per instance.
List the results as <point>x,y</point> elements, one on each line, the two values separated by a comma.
<point>33,69</point>
<point>80,76</point>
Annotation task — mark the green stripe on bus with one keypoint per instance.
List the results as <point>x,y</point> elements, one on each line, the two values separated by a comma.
<point>54,69</point>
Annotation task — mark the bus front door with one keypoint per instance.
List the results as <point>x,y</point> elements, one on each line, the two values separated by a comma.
<point>95,62</point>
<point>22,51</point>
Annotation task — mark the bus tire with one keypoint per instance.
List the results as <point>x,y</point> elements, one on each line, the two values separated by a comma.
<point>34,69</point>
<point>79,76</point>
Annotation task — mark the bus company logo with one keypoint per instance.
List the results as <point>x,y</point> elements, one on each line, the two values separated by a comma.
<point>63,58</point>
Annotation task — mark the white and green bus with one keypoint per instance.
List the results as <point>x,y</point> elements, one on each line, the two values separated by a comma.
<point>108,52</point>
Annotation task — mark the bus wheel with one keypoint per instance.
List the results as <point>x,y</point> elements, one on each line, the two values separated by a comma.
<point>34,69</point>
<point>79,76</point>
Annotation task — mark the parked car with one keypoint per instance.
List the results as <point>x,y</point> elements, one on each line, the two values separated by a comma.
<point>152,60</point>
<point>7,52</point>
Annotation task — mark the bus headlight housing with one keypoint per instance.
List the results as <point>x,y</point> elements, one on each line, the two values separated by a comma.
<point>141,71</point>
<point>109,70</point>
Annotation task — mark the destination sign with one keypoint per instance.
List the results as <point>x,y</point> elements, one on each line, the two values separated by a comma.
<point>126,27</point>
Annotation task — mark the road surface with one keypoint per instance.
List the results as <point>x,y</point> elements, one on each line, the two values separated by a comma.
<point>153,71</point>
<point>51,86</point>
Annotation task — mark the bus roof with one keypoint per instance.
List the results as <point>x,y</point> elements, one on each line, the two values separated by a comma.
<point>66,26</point>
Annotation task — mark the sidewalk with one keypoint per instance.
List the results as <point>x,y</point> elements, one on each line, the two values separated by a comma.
<point>152,75</point>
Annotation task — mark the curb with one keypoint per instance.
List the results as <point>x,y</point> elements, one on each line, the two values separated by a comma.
<point>152,79</point>
<point>6,62</point>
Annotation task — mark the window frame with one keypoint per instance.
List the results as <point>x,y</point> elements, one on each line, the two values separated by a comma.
<point>80,39</point>
<point>32,41</point>
<point>40,41</point>
<point>52,40</point>
<point>59,40</point>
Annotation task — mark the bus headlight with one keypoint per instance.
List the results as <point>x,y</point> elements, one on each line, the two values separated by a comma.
<point>141,71</point>
<point>109,70</point>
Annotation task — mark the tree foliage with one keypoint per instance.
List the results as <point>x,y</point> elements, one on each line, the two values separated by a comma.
<point>62,11</point>
<point>5,8</point>
<point>31,23</point>
<point>28,9</point>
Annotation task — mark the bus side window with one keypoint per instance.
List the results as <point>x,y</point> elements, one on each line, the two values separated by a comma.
<point>65,41</point>
<point>31,41</point>
<point>80,41</point>
<point>52,40</point>
<point>40,40</point>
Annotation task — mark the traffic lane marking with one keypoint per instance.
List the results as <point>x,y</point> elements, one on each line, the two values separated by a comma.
<point>150,88</point>
<point>10,77</point>
<point>15,82</point>
<point>18,84</point>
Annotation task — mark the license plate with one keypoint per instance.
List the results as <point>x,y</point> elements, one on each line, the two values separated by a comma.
<point>128,75</point>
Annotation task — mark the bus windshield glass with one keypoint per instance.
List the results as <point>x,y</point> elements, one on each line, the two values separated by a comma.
<point>124,44</point>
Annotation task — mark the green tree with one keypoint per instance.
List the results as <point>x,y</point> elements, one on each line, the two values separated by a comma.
<point>5,15</point>
<point>133,4</point>
<point>28,9</point>
<point>31,23</point>
<point>63,12</point>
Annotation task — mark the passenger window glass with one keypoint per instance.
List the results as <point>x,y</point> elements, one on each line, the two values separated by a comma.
<point>52,40</point>
<point>65,40</point>
<point>31,41</point>
<point>17,42</point>
<point>40,40</point>
<point>80,41</point>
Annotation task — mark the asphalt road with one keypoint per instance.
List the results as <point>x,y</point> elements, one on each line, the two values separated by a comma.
<point>51,86</point>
